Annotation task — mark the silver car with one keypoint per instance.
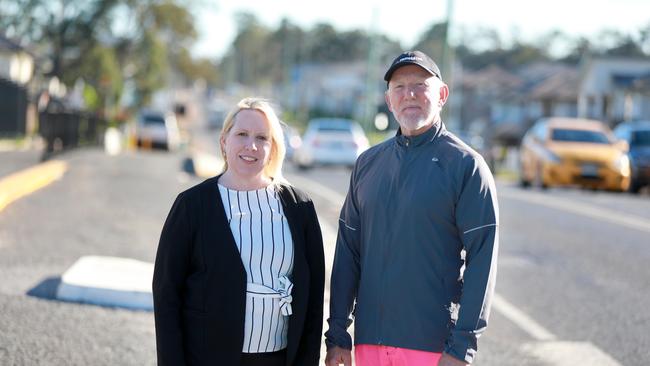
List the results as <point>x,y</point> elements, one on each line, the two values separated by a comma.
<point>157,130</point>
<point>331,141</point>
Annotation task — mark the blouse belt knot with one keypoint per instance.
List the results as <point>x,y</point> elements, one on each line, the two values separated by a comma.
<point>283,293</point>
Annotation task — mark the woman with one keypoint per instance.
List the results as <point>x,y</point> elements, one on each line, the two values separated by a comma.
<point>239,272</point>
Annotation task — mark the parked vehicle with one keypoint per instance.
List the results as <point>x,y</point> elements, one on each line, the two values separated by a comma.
<point>331,141</point>
<point>292,140</point>
<point>157,130</point>
<point>637,135</point>
<point>572,151</point>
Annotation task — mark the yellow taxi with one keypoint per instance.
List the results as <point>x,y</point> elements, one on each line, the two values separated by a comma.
<point>572,151</point>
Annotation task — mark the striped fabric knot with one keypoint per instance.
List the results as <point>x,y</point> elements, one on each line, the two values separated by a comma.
<point>285,292</point>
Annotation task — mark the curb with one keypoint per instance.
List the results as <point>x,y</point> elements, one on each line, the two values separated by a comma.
<point>22,183</point>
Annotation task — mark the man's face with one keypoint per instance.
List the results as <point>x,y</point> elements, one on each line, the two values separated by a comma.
<point>415,98</point>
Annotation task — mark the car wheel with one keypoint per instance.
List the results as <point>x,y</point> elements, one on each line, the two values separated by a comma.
<point>523,183</point>
<point>635,187</point>
<point>539,178</point>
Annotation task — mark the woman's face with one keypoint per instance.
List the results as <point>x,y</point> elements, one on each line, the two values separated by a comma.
<point>248,144</point>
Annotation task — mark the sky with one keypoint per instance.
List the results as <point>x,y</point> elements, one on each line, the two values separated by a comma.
<point>405,21</point>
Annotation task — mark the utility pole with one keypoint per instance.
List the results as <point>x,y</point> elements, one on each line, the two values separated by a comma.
<point>370,105</point>
<point>449,113</point>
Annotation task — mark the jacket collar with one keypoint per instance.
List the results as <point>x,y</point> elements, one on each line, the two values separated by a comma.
<point>427,136</point>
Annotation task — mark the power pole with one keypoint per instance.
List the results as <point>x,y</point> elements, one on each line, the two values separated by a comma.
<point>449,113</point>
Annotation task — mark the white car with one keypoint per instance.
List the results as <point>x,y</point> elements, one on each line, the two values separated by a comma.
<point>157,130</point>
<point>331,141</point>
<point>292,140</point>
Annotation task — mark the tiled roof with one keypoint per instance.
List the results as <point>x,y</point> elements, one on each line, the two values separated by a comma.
<point>7,44</point>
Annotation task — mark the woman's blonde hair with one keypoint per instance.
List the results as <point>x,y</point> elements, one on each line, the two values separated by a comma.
<point>273,168</point>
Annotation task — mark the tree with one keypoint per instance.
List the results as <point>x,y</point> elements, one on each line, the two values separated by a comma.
<point>432,42</point>
<point>78,39</point>
<point>65,29</point>
<point>101,70</point>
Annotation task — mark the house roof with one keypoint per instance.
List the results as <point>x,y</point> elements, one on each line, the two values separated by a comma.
<point>8,45</point>
<point>563,85</point>
<point>490,76</point>
<point>538,71</point>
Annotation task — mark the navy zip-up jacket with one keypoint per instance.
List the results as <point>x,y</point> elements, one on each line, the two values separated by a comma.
<point>417,247</point>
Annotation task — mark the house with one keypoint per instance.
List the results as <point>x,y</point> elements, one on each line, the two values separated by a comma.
<point>16,71</point>
<point>615,89</point>
<point>557,95</point>
<point>487,97</point>
<point>16,64</point>
<point>504,103</point>
<point>338,88</point>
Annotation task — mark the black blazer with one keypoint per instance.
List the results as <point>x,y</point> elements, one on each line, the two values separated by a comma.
<point>199,282</point>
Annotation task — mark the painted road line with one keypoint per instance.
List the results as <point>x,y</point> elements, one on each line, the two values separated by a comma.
<point>584,209</point>
<point>27,181</point>
<point>568,354</point>
<point>108,281</point>
<point>521,319</point>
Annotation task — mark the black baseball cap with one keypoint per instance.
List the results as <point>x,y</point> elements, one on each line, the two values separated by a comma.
<point>413,58</point>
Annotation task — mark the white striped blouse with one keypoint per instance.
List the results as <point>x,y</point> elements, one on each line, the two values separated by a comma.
<point>264,241</point>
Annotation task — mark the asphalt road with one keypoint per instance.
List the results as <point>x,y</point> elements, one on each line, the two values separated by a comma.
<point>112,206</point>
<point>572,283</point>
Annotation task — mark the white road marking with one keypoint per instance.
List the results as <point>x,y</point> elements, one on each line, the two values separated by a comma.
<point>521,319</point>
<point>618,218</point>
<point>568,354</point>
<point>546,348</point>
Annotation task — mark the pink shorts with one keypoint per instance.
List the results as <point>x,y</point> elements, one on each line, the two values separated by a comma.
<point>374,355</point>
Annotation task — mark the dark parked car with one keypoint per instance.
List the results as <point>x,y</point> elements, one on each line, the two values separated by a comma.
<point>637,135</point>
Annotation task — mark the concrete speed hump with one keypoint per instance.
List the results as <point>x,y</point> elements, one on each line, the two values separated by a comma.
<point>108,281</point>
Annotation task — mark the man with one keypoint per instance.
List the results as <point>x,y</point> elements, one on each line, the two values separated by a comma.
<point>417,239</point>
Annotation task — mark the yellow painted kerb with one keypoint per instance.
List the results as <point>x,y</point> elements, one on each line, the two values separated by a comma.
<point>22,183</point>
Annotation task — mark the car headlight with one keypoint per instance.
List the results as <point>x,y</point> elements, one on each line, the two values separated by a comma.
<point>622,163</point>
<point>552,157</point>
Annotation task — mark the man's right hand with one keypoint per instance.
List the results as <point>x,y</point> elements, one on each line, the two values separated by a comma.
<point>338,356</point>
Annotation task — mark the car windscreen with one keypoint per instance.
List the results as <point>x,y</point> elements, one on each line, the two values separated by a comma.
<point>571,135</point>
<point>153,120</point>
<point>334,128</point>
<point>640,138</point>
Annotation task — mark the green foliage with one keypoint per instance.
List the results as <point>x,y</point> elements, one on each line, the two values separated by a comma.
<point>433,40</point>
<point>91,99</point>
<point>101,71</point>
<point>76,39</point>
<point>262,56</point>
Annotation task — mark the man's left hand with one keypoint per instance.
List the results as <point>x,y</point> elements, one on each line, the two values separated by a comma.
<point>448,360</point>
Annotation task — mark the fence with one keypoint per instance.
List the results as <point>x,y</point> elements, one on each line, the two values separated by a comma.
<point>68,130</point>
<point>13,109</point>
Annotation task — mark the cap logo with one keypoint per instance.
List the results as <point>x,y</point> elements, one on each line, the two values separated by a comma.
<point>409,58</point>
